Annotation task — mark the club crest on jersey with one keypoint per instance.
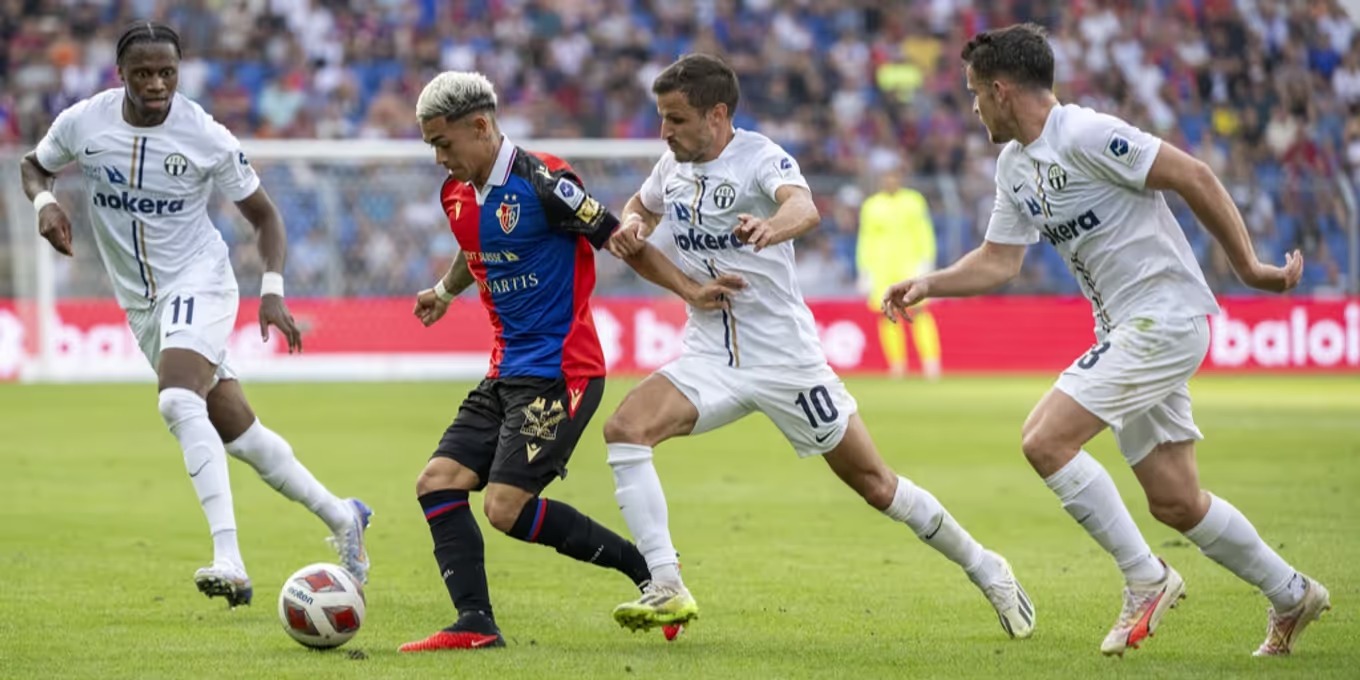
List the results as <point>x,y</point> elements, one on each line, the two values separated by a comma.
<point>176,164</point>
<point>508,215</point>
<point>1057,177</point>
<point>724,196</point>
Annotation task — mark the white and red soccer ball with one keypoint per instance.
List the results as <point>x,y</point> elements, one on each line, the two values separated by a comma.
<point>321,606</point>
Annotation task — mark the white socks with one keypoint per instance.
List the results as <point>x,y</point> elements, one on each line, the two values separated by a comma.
<point>186,414</point>
<point>273,458</point>
<point>921,511</point>
<point>638,490</point>
<point>1228,538</point>
<point>1088,494</point>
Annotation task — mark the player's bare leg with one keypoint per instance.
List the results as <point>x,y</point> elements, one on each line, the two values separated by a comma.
<point>653,412</point>
<point>1170,478</point>
<point>184,378</point>
<point>856,461</point>
<point>1053,437</point>
<point>272,457</point>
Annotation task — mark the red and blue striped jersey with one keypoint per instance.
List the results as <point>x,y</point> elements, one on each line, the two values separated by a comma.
<point>528,236</point>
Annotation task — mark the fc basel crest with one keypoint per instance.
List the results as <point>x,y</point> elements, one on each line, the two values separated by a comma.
<point>508,215</point>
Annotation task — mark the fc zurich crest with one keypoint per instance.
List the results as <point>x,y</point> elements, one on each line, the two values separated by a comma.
<point>508,216</point>
<point>176,164</point>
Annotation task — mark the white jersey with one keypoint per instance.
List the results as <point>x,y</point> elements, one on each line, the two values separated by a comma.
<point>1081,186</point>
<point>767,323</point>
<point>149,189</point>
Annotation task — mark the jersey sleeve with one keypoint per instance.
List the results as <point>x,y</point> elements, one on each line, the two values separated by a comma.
<point>1007,226</point>
<point>57,149</point>
<point>569,208</point>
<point>231,171</point>
<point>653,191</point>
<point>1109,149</point>
<point>776,169</point>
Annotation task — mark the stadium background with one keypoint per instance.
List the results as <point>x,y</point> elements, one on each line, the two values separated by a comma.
<point>98,533</point>
<point>1267,93</point>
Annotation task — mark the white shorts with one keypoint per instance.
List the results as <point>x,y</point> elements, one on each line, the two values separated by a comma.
<point>200,319</point>
<point>1135,379</point>
<point>810,405</point>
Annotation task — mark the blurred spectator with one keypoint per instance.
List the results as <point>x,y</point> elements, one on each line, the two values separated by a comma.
<point>1267,92</point>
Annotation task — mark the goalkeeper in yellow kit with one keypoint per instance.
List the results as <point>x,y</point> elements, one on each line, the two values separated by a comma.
<point>896,242</point>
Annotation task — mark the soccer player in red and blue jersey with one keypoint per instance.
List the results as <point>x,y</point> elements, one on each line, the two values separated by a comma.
<point>525,227</point>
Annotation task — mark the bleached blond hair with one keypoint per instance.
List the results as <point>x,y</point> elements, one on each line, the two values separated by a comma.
<point>454,94</point>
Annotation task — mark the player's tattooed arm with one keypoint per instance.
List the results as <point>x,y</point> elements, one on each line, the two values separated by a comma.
<point>653,265</point>
<point>432,303</point>
<point>797,215</point>
<point>53,223</point>
<point>1214,207</point>
<point>459,277</point>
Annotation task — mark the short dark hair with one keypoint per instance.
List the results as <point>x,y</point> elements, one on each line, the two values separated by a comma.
<point>139,32</point>
<point>1019,52</point>
<point>704,80</point>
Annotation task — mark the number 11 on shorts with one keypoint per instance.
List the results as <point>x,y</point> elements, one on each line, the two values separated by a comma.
<point>818,399</point>
<point>185,305</point>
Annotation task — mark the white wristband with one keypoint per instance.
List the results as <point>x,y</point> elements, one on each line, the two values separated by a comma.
<point>43,200</point>
<point>441,292</point>
<point>271,284</point>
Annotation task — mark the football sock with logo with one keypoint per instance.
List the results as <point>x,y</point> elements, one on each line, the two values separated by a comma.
<point>1227,537</point>
<point>1089,495</point>
<point>556,524</point>
<point>272,457</point>
<point>643,504</point>
<point>924,514</point>
<point>458,549</point>
<point>205,459</point>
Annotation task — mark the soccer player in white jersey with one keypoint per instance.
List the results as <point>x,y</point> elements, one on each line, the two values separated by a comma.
<point>733,201</point>
<point>1090,185</point>
<point>150,159</point>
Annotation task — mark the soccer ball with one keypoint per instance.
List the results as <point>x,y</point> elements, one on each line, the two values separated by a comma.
<point>321,606</point>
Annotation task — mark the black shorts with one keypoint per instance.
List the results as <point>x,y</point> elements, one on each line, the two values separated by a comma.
<point>520,431</point>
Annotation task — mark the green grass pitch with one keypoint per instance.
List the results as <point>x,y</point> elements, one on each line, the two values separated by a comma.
<point>796,577</point>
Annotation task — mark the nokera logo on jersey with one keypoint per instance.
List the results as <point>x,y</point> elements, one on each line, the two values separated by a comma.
<point>1066,231</point>
<point>694,240</point>
<point>138,205</point>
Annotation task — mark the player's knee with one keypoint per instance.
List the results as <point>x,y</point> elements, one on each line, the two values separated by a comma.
<point>878,489</point>
<point>1042,449</point>
<point>502,510</point>
<point>1181,513</point>
<point>177,405</point>
<point>441,474</point>
<point>623,428</point>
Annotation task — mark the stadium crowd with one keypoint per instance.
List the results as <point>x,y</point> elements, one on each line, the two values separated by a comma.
<point>1265,91</point>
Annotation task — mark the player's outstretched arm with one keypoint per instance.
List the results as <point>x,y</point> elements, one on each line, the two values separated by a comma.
<point>797,215</point>
<point>654,266</point>
<point>259,210</point>
<point>53,224</point>
<point>985,269</point>
<point>637,225</point>
<point>433,302</point>
<point>1190,177</point>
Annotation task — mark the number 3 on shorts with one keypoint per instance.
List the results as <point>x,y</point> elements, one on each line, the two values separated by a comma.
<point>818,399</point>
<point>1094,355</point>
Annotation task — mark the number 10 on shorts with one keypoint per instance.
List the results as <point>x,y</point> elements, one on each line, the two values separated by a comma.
<point>817,399</point>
